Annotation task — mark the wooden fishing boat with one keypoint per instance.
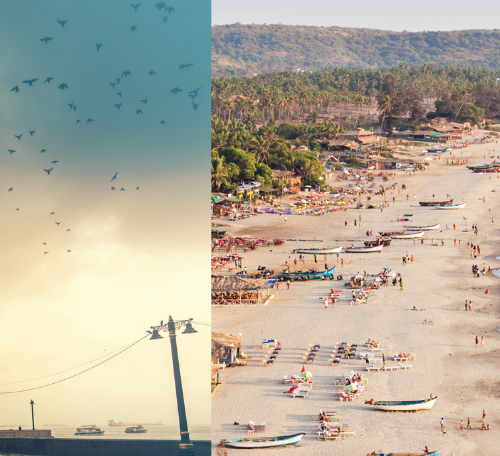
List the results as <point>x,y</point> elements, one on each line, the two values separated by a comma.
<point>435,203</point>
<point>422,228</point>
<point>409,235</point>
<point>404,406</point>
<point>435,150</point>
<point>306,275</point>
<point>262,442</point>
<point>421,453</point>
<point>385,242</point>
<point>318,251</point>
<point>390,233</point>
<point>487,170</point>
<point>375,248</point>
<point>451,206</point>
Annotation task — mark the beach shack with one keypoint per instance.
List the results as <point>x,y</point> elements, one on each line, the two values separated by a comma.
<point>234,290</point>
<point>215,368</point>
<point>225,349</point>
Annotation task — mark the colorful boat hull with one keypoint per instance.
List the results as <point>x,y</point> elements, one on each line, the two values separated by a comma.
<point>451,206</point>
<point>318,251</point>
<point>375,248</point>
<point>405,406</point>
<point>435,203</point>
<point>422,228</point>
<point>262,442</point>
<point>409,235</point>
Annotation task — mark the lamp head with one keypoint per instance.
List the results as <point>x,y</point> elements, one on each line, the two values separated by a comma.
<point>156,335</point>
<point>189,329</point>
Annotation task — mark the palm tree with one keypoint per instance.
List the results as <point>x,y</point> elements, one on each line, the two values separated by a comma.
<point>219,174</point>
<point>260,147</point>
<point>385,104</point>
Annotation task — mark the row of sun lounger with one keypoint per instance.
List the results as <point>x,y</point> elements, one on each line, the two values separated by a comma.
<point>343,351</point>
<point>311,353</point>
<point>379,367</point>
<point>273,355</point>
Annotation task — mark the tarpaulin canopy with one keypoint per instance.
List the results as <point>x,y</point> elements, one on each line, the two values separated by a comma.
<point>234,199</point>
<point>216,199</point>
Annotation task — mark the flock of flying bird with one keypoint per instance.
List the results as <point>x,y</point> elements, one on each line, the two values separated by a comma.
<point>73,106</point>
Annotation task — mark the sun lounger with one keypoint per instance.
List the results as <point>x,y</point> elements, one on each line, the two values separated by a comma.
<point>303,394</point>
<point>269,343</point>
<point>391,368</point>
<point>375,368</point>
<point>327,435</point>
<point>405,366</point>
<point>346,433</point>
<point>374,360</point>
<point>291,379</point>
<point>257,427</point>
<point>375,349</point>
<point>409,357</point>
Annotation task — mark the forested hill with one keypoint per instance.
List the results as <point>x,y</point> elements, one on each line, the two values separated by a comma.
<point>244,50</point>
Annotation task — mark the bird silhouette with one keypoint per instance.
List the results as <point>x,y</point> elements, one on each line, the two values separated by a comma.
<point>57,223</point>
<point>62,22</point>
<point>15,89</point>
<point>62,86</point>
<point>195,105</point>
<point>185,65</point>
<point>151,73</point>
<point>11,151</point>
<point>11,188</point>
<point>165,19</point>
<point>32,132</point>
<point>126,73</point>
<point>112,84</point>
<point>170,9</point>
<point>43,151</point>
<point>118,80</point>
<point>48,80</point>
<point>119,94</point>
<point>52,213</point>
<point>137,188</point>
<point>78,120</point>
<point>17,209</point>
<point>135,6</point>
<point>118,105</point>
<point>194,93</point>
<point>69,251</point>
<point>54,162</point>
<point>162,122</point>
<point>45,253</point>
<point>122,189</point>
<point>114,177</point>
<point>133,28</point>
<point>145,101</point>
<point>18,136</point>
<point>113,188</point>
<point>138,111</point>
<point>74,107</point>
<point>70,105</point>
<point>98,46</point>
<point>44,243</point>
<point>48,170</point>
<point>68,229</point>
<point>90,120</point>
<point>30,81</point>
<point>160,6</point>
<point>46,39</point>
<point>176,90</point>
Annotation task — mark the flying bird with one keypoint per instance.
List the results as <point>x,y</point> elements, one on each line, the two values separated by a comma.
<point>17,209</point>
<point>45,253</point>
<point>68,229</point>
<point>54,162</point>
<point>70,105</point>
<point>138,111</point>
<point>122,189</point>
<point>195,105</point>
<point>43,151</point>
<point>145,101</point>
<point>135,6</point>
<point>160,6</point>
<point>30,81</point>
<point>78,120</point>
<point>32,132</point>
<point>90,120</point>
<point>126,73</point>
<point>46,39</point>
<point>185,65</point>
<point>15,89</point>
<point>114,177</point>
<point>119,94</point>
<point>11,151</point>
<point>98,46</point>
<point>137,188</point>
<point>113,188</point>
<point>74,107</point>
<point>165,19</point>
<point>63,22</point>
<point>133,28</point>
<point>18,136</point>
<point>62,86</point>
<point>52,213</point>
<point>57,223</point>
<point>176,90</point>
<point>194,93</point>
<point>48,170</point>
<point>69,251</point>
<point>118,105</point>
<point>44,243</point>
<point>170,9</point>
<point>11,188</point>
<point>151,73</point>
<point>118,80</point>
<point>48,80</point>
<point>162,122</point>
<point>112,84</point>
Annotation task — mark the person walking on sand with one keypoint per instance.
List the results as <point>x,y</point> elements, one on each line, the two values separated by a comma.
<point>444,431</point>
<point>400,284</point>
<point>477,341</point>
<point>461,425</point>
<point>482,341</point>
<point>484,415</point>
<point>326,303</point>
<point>470,306</point>
<point>288,284</point>
<point>441,422</point>
<point>383,359</point>
<point>468,423</point>
<point>466,305</point>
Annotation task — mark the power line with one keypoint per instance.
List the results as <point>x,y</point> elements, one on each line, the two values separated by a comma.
<point>75,375</point>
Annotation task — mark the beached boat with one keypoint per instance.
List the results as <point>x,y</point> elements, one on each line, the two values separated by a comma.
<point>409,235</point>
<point>421,453</point>
<point>385,242</point>
<point>487,170</point>
<point>375,248</point>
<point>89,430</point>
<point>435,150</point>
<point>422,228</point>
<point>262,442</point>
<point>319,251</point>
<point>404,406</point>
<point>451,206</point>
<point>136,429</point>
<point>390,233</point>
<point>305,275</point>
<point>435,203</point>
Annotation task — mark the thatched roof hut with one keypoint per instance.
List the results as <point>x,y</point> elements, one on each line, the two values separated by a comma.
<point>220,283</point>
<point>225,347</point>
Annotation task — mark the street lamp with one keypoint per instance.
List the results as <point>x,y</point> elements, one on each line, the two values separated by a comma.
<point>32,414</point>
<point>186,447</point>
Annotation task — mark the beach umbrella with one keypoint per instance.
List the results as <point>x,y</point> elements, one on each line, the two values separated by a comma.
<point>486,292</point>
<point>303,369</point>
<point>306,375</point>
<point>292,389</point>
<point>387,269</point>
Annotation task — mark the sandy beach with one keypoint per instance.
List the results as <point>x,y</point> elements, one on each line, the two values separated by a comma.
<point>448,365</point>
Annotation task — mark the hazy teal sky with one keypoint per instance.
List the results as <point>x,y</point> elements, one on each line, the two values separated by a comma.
<point>135,254</point>
<point>384,14</point>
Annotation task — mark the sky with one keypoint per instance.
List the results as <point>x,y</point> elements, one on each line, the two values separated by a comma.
<point>425,15</point>
<point>118,261</point>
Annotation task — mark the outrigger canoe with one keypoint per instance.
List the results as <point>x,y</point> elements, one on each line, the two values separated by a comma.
<point>451,206</point>
<point>262,442</point>
<point>318,251</point>
<point>421,453</point>
<point>390,233</point>
<point>422,228</point>
<point>409,235</point>
<point>435,203</point>
<point>375,248</point>
<point>403,406</point>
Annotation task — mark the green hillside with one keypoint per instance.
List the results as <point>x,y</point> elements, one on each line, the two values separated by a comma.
<point>245,50</point>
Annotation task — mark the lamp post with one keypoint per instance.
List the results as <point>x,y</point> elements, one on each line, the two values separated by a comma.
<point>32,414</point>
<point>186,447</point>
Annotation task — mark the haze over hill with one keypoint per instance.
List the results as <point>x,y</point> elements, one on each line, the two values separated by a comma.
<point>244,50</point>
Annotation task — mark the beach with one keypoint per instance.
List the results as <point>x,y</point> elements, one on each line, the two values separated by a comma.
<point>465,378</point>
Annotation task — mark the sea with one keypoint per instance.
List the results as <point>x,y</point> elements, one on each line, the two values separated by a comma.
<point>118,432</point>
